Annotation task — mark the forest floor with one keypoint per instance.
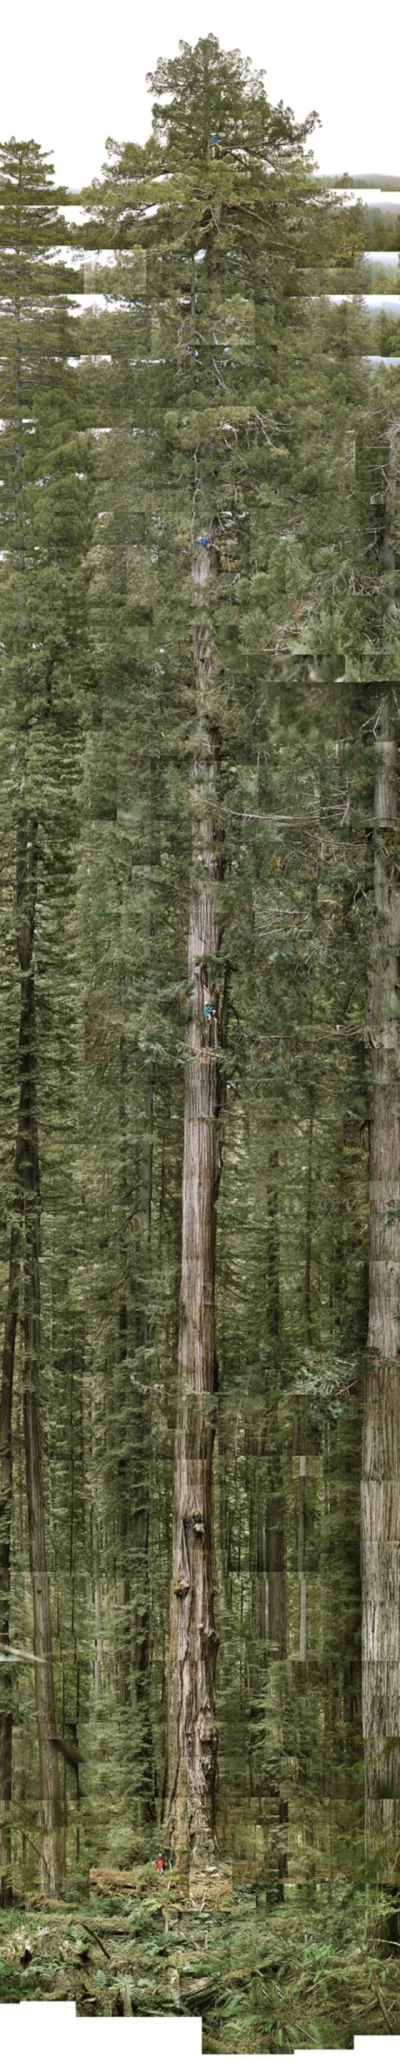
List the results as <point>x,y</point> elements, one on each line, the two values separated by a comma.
<point>262,1980</point>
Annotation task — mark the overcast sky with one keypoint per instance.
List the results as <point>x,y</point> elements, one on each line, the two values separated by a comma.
<point>72,76</point>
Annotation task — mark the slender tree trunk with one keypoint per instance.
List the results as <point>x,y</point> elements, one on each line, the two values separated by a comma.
<point>98,1654</point>
<point>275,1849</point>
<point>24,933</point>
<point>6,1482</point>
<point>277,1653</point>
<point>6,1397</point>
<point>272,1650</point>
<point>301,1559</point>
<point>308,1242</point>
<point>122,1400</point>
<point>380,1490</point>
<point>51,1836</point>
<point>133,1467</point>
<point>93,1587</point>
<point>273,1295</point>
<point>309,1336</point>
<point>134,1333</point>
<point>50,1798</point>
<point>268,1575</point>
<point>193,1639</point>
<point>338,1274</point>
<point>25,900</point>
<point>141,1492</point>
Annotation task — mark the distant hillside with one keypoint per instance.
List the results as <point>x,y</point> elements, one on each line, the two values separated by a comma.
<point>380,179</point>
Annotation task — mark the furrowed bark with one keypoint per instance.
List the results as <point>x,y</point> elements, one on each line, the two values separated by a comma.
<point>141,1493</point>
<point>193,1639</point>
<point>136,1486</point>
<point>380,1490</point>
<point>51,1839</point>
<point>10,1327</point>
<point>133,1464</point>
<point>24,1254</point>
<point>24,940</point>
<point>51,1843</point>
<point>308,1240</point>
<point>273,1283</point>
<point>270,1646</point>
<point>272,1548</point>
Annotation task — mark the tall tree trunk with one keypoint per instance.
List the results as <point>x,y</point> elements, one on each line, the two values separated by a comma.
<point>24,1242</point>
<point>25,896</point>
<point>98,1622</point>
<point>193,1640</point>
<point>6,1397</point>
<point>51,1846</point>
<point>380,1491</point>
<point>122,1399</point>
<point>134,1462</point>
<point>273,1286</point>
<point>301,1559</point>
<point>6,1480</point>
<point>268,1571</point>
<point>271,1643</point>
<point>141,1484</point>
<point>277,1810</point>
<point>308,1239</point>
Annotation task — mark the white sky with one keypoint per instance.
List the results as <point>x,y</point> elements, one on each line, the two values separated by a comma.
<point>73,75</point>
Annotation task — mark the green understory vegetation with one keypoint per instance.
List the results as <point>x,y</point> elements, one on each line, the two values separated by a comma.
<point>262,1981</point>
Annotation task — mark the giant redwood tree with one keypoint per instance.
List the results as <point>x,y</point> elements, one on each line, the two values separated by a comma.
<point>216,854</point>
<point>214,208</point>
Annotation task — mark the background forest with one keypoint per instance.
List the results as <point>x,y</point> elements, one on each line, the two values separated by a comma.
<point>199,934</point>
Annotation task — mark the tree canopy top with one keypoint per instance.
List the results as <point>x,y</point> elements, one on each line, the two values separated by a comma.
<point>207,98</point>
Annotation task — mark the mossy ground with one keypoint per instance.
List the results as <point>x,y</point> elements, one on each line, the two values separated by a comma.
<point>262,1980</point>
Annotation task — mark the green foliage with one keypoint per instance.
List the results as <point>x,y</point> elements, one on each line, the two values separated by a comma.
<point>299,1980</point>
<point>212,394</point>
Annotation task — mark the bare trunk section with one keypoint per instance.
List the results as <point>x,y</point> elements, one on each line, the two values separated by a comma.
<point>273,1285</point>
<point>193,1640</point>
<point>122,1401</point>
<point>25,890</point>
<point>301,1559</point>
<point>24,1248</point>
<point>51,1845</point>
<point>6,1397</point>
<point>134,1407</point>
<point>141,1482</point>
<point>51,1835</point>
<point>24,934</point>
<point>271,1636</point>
<point>380,1489</point>
<point>308,1240</point>
<point>272,1558</point>
<point>277,1652</point>
<point>98,1656</point>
